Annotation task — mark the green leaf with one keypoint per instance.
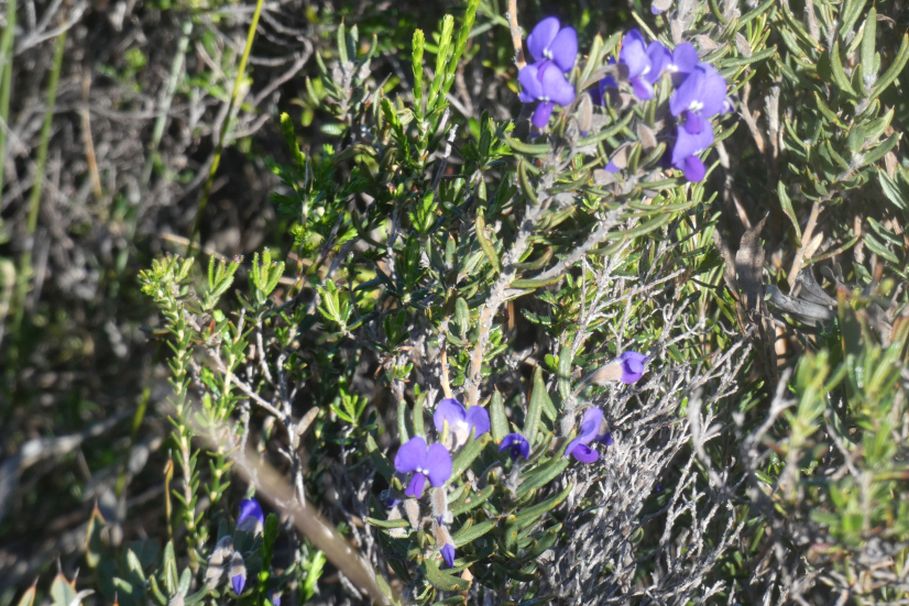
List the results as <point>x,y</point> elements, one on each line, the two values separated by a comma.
<point>419,43</point>
<point>442,580</point>
<point>468,454</point>
<point>869,71</point>
<point>469,533</point>
<point>892,72</point>
<point>892,190</point>
<point>786,205</point>
<point>497,417</point>
<point>471,500</point>
<point>63,592</point>
<point>881,149</point>
<point>485,244</point>
<point>387,523</point>
<point>533,513</point>
<point>169,566</point>
<point>542,475</point>
<point>838,72</point>
<point>28,598</point>
<point>537,399</point>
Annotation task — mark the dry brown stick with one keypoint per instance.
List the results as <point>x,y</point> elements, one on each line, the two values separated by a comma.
<point>516,39</point>
<point>88,141</point>
<point>308,521</point>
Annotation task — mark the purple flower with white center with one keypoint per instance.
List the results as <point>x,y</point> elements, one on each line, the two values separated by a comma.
<point>426,462</point>
<point>251,517</point>
<point>687,146</point>
<point>455,423</point>
<point>632,366</point>
<point>699,97</point>
<point>448,554</point>
<point>544,82</point>
<point>684,60</point>
<point>549,41</point>
<point>516,445</point>
<point>592,429</point>
<point>642,63</point>
<point>237,573</point>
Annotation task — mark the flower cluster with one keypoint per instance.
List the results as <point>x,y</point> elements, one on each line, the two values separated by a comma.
<point>699,93</point>
<point>554,50</point>
<point>432,463</point>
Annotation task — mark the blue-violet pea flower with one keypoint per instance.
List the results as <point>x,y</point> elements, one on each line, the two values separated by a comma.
<point>275,599</point>
<point>237,573</point>
<point>699,97</point>
<point>455,423</point>
<point>632,366</point>
<point>544,82</point>
<point>448,554</point>
<point>592,429</point>
<point>643,64</point>
<point>426,462</point>
<point>687,146</point>
<point>684,60</point>
<point>549,41</point>
<point>251,517</point>
<point>516,445</point>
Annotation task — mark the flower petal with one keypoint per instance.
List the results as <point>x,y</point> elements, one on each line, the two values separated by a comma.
<point>448,554</point>
<point>416,486</point>
<point>448,411</point>
<point>564,48</point>
<point>438,463</point>
<point>478,419</point>
<point>555,86</point>
<point>591,423</point>
<point>713,92</point>
<point>584,453</point>
<point>251,517</point>
<point>541,114</point>
<point>516,445</point>
<point>411,454</point>
<point>688,144</point>
<point>660,58</point>
<point>632,366</point>
<point>634,54</point>
<point>237,573</point>
<point>694,169</point>
<point>540,38</point>
<point>529,79</point>
<point>643,90</point>
<point>684,58</point>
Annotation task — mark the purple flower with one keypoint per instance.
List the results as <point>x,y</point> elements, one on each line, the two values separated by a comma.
<point>426,462</point>
<point>237,573</point>
<point>454,421</point>
<point>632,366</point>
<point>687,146</point>
<point>550,42</point>
<point>275,599</point>
<point>684,60</point>
<point>544,82</point>
<point>643,64</point>
<point>592,429</point>
<point>251,517</point>
<point>516,445</point>
<point>699,97</point>
<point>448,554</point>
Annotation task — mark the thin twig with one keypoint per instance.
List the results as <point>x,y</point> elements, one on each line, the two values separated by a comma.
<point>516,38</point>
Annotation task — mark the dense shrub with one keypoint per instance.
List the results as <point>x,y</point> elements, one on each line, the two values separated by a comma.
<point>615,313</point>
